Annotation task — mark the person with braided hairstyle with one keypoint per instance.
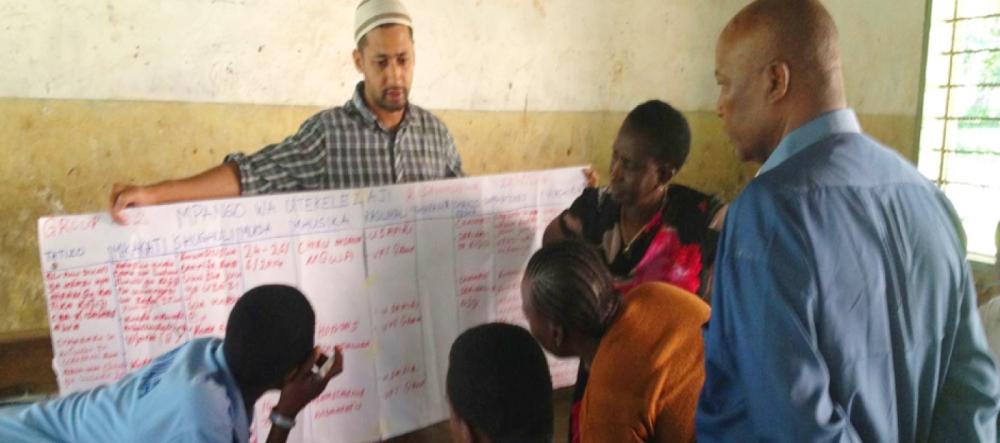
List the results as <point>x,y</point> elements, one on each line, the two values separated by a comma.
<point>643,350</point>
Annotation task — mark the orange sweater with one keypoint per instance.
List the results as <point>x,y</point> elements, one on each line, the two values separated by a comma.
<point>648,371</point>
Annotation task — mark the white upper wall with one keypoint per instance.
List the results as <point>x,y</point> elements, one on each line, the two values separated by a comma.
<point>537,55</point>
<point>882,44</point>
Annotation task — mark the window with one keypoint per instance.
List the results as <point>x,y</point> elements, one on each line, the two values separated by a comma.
<point>960,128</point>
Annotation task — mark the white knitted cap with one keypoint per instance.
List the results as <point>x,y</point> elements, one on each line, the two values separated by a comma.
<point>374,13</point>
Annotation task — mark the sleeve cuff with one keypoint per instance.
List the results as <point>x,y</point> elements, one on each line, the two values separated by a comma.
<point>242,163</point>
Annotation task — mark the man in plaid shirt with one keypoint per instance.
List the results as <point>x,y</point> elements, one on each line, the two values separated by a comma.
<point>376,138</point>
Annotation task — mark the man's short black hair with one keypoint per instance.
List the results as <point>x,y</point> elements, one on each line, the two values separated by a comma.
<point>663,131</point>
<point>498,382</point>
<point>270,332</point>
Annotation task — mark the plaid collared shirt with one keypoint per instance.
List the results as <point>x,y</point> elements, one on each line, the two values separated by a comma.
<point>345,147</point>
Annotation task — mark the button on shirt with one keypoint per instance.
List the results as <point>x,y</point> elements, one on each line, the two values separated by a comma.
<point>345,147</point>
<point>844,309</point>
<point>186,395</point>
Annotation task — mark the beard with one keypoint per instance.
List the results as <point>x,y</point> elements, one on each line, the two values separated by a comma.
<point>389,105</point>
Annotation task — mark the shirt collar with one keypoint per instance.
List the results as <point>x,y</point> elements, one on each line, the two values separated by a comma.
<point>358,100</point>
<point>238,412</point>
<point>833,122</point>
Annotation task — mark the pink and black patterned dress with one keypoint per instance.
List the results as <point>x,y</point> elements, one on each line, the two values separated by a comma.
<point>676,246</point>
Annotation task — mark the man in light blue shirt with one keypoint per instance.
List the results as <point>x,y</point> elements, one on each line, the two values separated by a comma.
<point>202,391</point>
<point>843,307</point>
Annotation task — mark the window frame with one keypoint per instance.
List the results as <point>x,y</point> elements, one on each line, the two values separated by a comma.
<point>942,149</point>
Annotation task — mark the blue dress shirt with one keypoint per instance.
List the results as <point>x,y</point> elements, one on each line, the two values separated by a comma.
<point>843,307</point>
<point>186,395</point>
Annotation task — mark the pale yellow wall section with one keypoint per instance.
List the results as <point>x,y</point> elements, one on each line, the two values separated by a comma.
<point>62,156</point>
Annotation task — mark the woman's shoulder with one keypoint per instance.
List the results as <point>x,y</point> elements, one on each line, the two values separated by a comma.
<point>693,199</point>
<point>690,211</point>
<point>593,199</point>
<point>596,211</point>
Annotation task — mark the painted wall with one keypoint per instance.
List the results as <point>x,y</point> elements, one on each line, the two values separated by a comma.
<point>140,90</point>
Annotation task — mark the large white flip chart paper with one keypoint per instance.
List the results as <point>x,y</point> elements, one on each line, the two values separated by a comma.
<point>394,273</point>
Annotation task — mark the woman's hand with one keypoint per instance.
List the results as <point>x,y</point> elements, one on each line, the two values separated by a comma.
<point>592,177</point>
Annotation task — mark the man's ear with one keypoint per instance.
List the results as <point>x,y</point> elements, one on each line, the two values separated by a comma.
<point>778,80</point>
<point>357,59</point>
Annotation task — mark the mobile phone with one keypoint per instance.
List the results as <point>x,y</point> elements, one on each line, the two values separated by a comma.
<point>324,364</point>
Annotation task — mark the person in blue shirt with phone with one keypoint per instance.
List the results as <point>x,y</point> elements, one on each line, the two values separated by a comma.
<point>202,391</point>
